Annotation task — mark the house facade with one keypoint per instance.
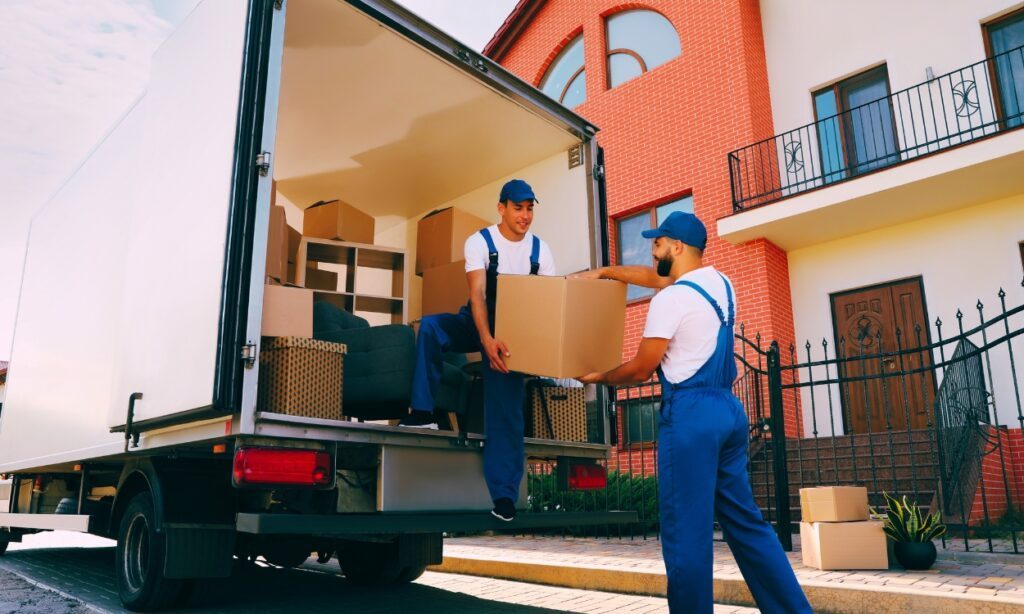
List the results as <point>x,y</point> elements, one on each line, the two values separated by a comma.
<point>860,172</point>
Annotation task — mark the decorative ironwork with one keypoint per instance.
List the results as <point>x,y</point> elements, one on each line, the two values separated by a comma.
<point>794,156</point>
<point>965,98</point>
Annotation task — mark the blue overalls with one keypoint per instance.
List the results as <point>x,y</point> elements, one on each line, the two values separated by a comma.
<point>702,469</point>
<point>504,453</point>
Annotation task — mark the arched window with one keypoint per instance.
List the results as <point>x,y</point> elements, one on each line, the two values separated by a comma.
<point>638,41</point>
<point>566,80</point>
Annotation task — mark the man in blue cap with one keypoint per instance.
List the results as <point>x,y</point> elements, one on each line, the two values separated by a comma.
<point>508,248</point>
<point>702,428</point>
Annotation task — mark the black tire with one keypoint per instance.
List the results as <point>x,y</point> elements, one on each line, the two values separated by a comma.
<point>411,573</point>
<point>369,564</point>
<point>3,547</point>
<point>286,555</point>
<point>141,584</point>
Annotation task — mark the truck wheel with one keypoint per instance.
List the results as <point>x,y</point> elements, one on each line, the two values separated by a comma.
<point>3,547</point>
<point>286,555</point>
<point>369,564</point>
<point>411,573</point>
<point>140,558</point>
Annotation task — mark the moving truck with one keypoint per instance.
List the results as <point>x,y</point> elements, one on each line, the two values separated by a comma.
<point>131,398</point>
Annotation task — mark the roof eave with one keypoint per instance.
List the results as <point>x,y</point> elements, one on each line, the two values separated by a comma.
<point>512,28</point>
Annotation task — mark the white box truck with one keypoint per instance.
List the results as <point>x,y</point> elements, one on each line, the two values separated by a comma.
<point>131,398</point>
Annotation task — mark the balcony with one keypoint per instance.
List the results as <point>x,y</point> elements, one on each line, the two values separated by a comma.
<point>804,168</point>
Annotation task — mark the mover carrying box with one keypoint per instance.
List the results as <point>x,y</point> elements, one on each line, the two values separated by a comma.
<point>844,545</point>
<point>287,312</point>
<point>277,245</point>
<point>336,220</point>
<point>301,377</point>
<point>558,326</point>
<point>445,289</point>
<point>441,237</point>
<point>834,504</point>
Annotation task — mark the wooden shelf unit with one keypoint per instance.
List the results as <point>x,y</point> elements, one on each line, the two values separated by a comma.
<point>354,293</point>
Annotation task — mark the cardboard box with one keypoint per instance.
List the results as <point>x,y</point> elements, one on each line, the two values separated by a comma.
<point>844,545</point>
<point>441,237</point>
<point>560,327</point>
<point>277,245</point>
<point>294,236</point>
<point>834,504</point>
<point>318,279</point>
<point>566,413</point>
<point>445,289</point>
<point>287,312</point>
<point>337,220</point>
<point>301,377</point>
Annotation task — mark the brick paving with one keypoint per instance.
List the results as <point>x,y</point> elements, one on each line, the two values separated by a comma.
<point>993,578</point>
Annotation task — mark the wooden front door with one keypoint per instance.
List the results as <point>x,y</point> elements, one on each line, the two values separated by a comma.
<point>882,384</point>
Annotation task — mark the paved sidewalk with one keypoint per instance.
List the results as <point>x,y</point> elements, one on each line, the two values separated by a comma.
<point>635,566</point>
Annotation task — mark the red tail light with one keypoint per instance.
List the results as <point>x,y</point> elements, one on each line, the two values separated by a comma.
<point>281,467</point>
<point>587,477</point>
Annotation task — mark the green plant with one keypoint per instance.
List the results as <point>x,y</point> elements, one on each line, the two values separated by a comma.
<point>624,492</point>
<point>905,522</point>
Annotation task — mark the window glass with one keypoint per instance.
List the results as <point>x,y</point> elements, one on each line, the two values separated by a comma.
<point>634,249</point>
<point>648,34</point>
<point>1008,36</point>
<point>829,142</point>
<point>641,421</point>
<point>684,204</point>
<point>576,93</point>
<point>562,70</point>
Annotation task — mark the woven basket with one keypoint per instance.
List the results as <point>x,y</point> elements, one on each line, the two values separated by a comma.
<point>567,408</point>
<point>301,377</point>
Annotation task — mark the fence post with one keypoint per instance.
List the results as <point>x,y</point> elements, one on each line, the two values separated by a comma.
<point>778,431</point>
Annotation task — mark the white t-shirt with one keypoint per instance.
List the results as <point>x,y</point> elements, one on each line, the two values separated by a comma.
<point>684,317</point>
<point>513,256</point>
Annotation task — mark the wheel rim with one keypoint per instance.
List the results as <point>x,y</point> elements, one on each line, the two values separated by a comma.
<point>136,553</point>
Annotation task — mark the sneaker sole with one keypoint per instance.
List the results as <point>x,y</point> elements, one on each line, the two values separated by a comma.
<point>502,518</point>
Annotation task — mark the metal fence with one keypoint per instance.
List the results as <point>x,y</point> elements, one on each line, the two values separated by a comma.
<point>969,103</point>
<point>931,414</point>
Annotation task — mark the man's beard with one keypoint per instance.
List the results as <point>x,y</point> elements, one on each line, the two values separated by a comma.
<point>665,266</point>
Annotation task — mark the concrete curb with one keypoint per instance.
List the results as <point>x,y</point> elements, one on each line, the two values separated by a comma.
<point>731,590</point>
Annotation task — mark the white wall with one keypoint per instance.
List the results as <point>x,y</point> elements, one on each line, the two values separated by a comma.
<point>961,256</point>
<point>813,43</point>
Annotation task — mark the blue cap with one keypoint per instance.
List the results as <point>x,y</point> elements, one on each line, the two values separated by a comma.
<point>516,190</point>
<point>681,226</point>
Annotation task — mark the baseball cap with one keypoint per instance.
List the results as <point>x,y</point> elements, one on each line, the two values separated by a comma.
<point>516,190</point>
<point>681,226</point>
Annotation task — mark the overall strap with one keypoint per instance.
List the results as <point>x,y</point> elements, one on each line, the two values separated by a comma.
<point>492,251</point>
<point>732,304</point>
<point>535,256</point>
<point>714,303</point>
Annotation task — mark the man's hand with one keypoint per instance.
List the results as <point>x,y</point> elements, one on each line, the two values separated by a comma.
<point>496,351</point>
<point>592,274</point>
<point>592,378</point>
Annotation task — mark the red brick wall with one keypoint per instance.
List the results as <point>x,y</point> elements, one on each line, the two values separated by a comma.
<point>992,483</point>
<point>668,133</point>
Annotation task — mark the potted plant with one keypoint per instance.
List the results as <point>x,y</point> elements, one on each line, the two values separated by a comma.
<point>912,532</point>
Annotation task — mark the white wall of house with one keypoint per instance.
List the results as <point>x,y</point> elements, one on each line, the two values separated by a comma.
<point>810,44</point>
<point>963,256</point>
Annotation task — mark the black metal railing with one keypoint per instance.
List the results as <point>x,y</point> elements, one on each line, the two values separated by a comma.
<point>961,106</point>
<point>932,416</point>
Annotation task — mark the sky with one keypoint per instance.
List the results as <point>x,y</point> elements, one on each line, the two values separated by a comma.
<point>69,69</point>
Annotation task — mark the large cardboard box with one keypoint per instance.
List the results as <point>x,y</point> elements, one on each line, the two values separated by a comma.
<point>277,245</point>
<point>844,545</point>
<point>337,220</point>
<point>559,326</point>
<point>445,289</point>
<point>287,312</point>
<point>319,279</point>
<point>557,413</point>
<point>294,236</point>
<point>301,377</point>
<point>834,504</point>
<point>441,237</point>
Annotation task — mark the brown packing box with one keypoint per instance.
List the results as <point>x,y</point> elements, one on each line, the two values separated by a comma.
<point>834,504</point>
<point>844,545</point>
<point>287,312</point>
<point>277,245</point>
<point>294,236</point>
<point>566,409</point>
<point>445,289</point>
<point>441,237</point>
<point>337,220</point>
<point>558,326</point>
<point>301,377</point>
<point>318,279</point>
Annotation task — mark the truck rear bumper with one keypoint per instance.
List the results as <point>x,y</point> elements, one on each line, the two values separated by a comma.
<point>338,525</point>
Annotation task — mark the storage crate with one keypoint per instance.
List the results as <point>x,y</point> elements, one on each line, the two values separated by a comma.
<point>301,377</point>
<point>566,412</point>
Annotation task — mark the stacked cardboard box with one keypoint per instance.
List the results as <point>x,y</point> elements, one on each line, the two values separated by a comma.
<point>337,220</point>
<point>836,531</point>
<point>440,238</point>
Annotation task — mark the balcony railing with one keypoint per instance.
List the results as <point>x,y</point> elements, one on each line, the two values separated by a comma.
<point>964,105</point>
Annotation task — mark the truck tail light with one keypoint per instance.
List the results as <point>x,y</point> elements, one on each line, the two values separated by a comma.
<point>282,467</point>
<point>580,474</point>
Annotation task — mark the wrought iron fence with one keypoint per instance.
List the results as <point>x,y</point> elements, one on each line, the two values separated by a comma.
<point>924,414</point>
<point>961,106</point>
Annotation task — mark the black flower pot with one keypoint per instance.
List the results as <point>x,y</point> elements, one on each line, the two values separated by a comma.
<point>915,555</point>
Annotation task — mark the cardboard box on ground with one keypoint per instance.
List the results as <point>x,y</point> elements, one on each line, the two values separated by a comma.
<point>560,327</point>
<point>834,504</point>
<point>836,532</point>
<point>441,236</point>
